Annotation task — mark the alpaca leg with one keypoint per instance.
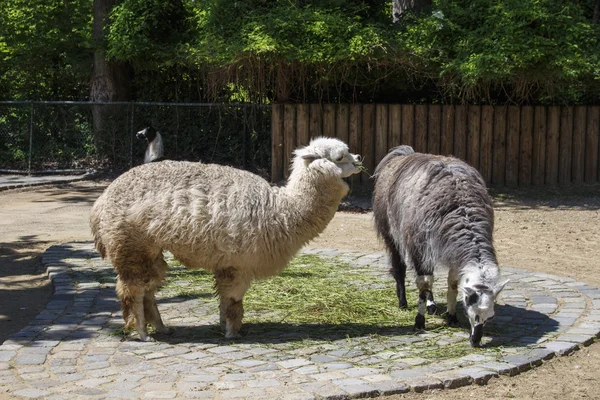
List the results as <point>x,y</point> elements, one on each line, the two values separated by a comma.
<point>425,286</point>
<point>132,305</point>
<point>231,291</point>
<point>398,271</point>
<point>150,308</point>
<point>452,293</point>
<point>152,314</point>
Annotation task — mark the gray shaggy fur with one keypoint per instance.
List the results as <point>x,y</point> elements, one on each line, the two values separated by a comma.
<point>434,211</point>
<point>225,220</point>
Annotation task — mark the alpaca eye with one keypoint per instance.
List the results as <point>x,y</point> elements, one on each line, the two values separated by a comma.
<point>340,158</point>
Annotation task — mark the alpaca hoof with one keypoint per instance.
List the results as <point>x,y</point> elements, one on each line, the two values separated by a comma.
<point>233,335</point>
<point>165,330</point>
<point>452,320</point>
<point>419,323</point>
<point>146,338</point>
<point>431,309</point>
<point>402,304</point>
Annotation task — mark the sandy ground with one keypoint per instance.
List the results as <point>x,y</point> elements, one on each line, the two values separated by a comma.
<point>555,231</point>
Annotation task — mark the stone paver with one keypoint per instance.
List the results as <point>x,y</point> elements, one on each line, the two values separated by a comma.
<point>72,349</point>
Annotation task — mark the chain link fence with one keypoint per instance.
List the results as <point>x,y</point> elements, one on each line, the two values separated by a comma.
<point>44,136</point>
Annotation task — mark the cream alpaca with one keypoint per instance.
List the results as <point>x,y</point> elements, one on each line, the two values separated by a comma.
<point>225,220</point>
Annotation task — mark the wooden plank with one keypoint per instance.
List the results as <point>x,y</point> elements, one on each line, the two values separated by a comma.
<point>487,139</point>
<point>526,146</point>
<point>578,159</point>
<point>460,132</point>
<point>341,124</point>
<point>473,135</point>
<point>420,128</point>
<point>395,138</point>
<point>408,124</point>
<point>354,139</point>
<point>354,129</point>
<point>289,136</point>
<point>381,132</point>
<point>538,162</point>
<point>316,121</point>
<point>565,147</point>
<point>368,141</point>
<point>329,120</point>
<point>302,125</point>
<point>591,144</point>
<point>447,135</point>
<point>499,151</point>
<point>277,143</point>
<point>512,146</point>
<point>434,129</point>
<point>552,142</point>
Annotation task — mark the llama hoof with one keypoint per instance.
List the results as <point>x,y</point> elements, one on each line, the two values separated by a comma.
<point>431,309</point>
<point>402,304</point>
<point>452,320</point>
<point>419,323</point>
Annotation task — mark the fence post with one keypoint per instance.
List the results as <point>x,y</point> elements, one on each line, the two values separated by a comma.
<point>30,138</point>
<point>245,140</point>
<point>131,138</point>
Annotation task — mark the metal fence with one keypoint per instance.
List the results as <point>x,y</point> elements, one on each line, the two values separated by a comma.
<point>42,136</point>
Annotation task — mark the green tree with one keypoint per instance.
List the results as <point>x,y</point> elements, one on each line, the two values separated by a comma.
<point>45,48</point>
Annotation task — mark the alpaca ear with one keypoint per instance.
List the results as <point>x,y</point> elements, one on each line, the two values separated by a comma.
<point>310,157</point>
<point>498,288</point>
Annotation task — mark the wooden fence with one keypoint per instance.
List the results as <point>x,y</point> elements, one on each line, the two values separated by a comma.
<point>510,145</point>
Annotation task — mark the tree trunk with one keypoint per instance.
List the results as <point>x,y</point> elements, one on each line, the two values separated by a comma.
<point>110,81</point>
<point>596,15</point>
<point>399,6</point>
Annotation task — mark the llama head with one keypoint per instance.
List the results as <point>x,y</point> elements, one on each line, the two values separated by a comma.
<point>328,154</point>
<point>148,133</point>
<point>479,301</point>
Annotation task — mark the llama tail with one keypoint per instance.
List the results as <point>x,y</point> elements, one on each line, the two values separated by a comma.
<point>399,151</point>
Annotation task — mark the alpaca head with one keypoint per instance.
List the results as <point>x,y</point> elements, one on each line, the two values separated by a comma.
<point>328,154</point>
<point>148,133</point>
<point>479,301</point>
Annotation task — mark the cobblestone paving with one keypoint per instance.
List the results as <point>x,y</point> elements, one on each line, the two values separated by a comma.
<point>71,350</point>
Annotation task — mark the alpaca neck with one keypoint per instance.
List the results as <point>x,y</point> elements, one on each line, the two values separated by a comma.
<point>155,149</point>
<point>309,202</point>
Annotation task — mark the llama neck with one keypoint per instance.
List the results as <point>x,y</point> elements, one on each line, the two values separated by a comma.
<point>155,149</point>
<point>484,273</point>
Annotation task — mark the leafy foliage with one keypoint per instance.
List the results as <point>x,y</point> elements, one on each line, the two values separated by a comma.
<point>45,48</point>
<point>535,51</point>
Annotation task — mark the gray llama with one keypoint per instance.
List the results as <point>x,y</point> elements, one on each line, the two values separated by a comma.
<point>434,212</point>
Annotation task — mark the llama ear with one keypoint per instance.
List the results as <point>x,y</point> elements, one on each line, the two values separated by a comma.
<point>498,288</point>
<point>471,296</point>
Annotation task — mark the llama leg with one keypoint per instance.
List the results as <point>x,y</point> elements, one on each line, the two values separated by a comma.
<point>452,293</point>
<point>425,285</point>
<point>398,271</point>
<point>231,291</point>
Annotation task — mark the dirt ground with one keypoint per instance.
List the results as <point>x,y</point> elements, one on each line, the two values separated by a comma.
<point>555,231</point>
